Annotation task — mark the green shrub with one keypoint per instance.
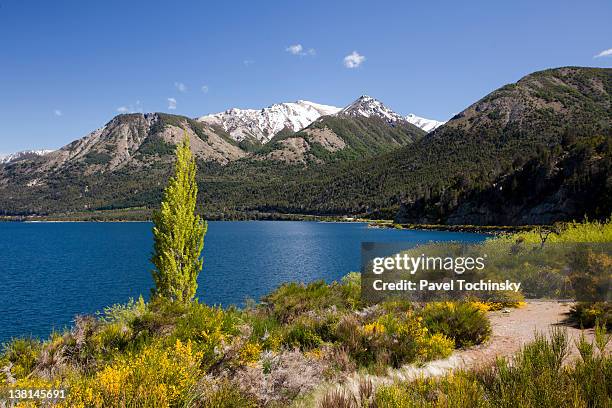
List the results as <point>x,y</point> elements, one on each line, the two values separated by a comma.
<point>22,354</point>
<point>463,322</point>
<point>125,313</point>
<point>351,289</point>
<point>224,395</point>
<point>392,339</point>
<point>437,346</point>
<point>586,314</point>
<point>302,334</point>
<point>111,337</point>
<point>292,299</point>
<point>209,328</point>
<point>400,341</point>
<point>159,375</point>
<point>452,391</point>
<point>159,317</point>
<point>199,321</point>
<point>262,325</point>
<point>572,232</point>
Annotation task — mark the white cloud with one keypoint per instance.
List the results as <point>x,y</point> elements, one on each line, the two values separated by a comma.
<point>181,87</point>
<point>604,53</point>
<point>171,103</point>
<point>248,62</point>
<point>131,108</point>
<point>354,60</point>
<point>57,112</point>
<point>298,49</point>
<point>204,88</point>
<point>294,49</point>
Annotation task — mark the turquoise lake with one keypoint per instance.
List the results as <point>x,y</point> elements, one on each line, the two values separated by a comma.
<point>50,272</point>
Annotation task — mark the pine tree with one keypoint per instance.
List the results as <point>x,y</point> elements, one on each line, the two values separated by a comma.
<point>178,232</point>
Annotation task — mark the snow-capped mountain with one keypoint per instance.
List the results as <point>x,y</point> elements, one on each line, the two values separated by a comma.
<point>263,124</point>
<point>426,124</point>
<point>26,154</point>
<point>367,106</point>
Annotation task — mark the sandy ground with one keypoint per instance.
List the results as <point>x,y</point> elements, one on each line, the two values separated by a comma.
<point>515,327</point>
<point>511,329</point>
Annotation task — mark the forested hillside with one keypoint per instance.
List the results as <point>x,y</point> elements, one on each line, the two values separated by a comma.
<point>536,151</point>
<point>532,152</point>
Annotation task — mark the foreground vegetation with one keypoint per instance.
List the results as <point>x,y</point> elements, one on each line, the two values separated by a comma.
<point>538,376</point>
<point>165,353</point>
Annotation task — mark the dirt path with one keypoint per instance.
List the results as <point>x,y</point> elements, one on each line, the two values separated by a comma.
<point>511,329</point>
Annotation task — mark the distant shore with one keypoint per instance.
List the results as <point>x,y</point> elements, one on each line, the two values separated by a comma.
<point>144,215</point>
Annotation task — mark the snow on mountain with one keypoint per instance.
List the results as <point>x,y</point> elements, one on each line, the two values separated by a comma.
<point>426,124</point>
<point>263,124</point>
<point>368,107</point>
<point>26,154</point>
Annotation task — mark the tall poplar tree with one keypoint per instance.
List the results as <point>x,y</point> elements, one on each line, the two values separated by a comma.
<point>178,232</point>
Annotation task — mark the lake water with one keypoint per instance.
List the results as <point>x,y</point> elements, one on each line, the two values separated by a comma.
<point>50,272</point>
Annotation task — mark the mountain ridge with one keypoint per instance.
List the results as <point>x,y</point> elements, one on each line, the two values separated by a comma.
<point>286,116</point>
<point>560,120</point>
<point>535,151</point>
<point>262,124</point>
<point>23,154</point>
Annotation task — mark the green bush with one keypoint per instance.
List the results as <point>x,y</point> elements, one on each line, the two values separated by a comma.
<point>22,354</point>
<point>302,334</point>
<point>311,331</point>
<point>586,314</point>
<point>463,322</point>
<point>452,391</point>
<point>392,339</point>
<point>199,321</point>
<point>292,299</point>
<point>110,338</point>
<point>224,395</point>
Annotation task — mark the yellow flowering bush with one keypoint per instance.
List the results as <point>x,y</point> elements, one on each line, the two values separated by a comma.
<point>249,353</point>
<point>22,354</point>
<point>273,341</point>
<point>373,328</point>
<point>156,377</point>
<point>436,346</point>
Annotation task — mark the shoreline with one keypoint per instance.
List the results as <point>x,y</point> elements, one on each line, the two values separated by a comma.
<point>371,223</point>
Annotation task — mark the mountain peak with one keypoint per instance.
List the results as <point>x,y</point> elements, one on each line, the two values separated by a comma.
<point>262,124</point>
<point>427,125</point>
<point>368,106</point>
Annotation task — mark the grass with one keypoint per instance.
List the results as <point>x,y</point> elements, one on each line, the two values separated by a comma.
<point>587,231</point>
<point>539,375</point>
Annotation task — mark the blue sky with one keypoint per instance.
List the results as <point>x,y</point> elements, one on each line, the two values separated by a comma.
<point>67,67</point>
